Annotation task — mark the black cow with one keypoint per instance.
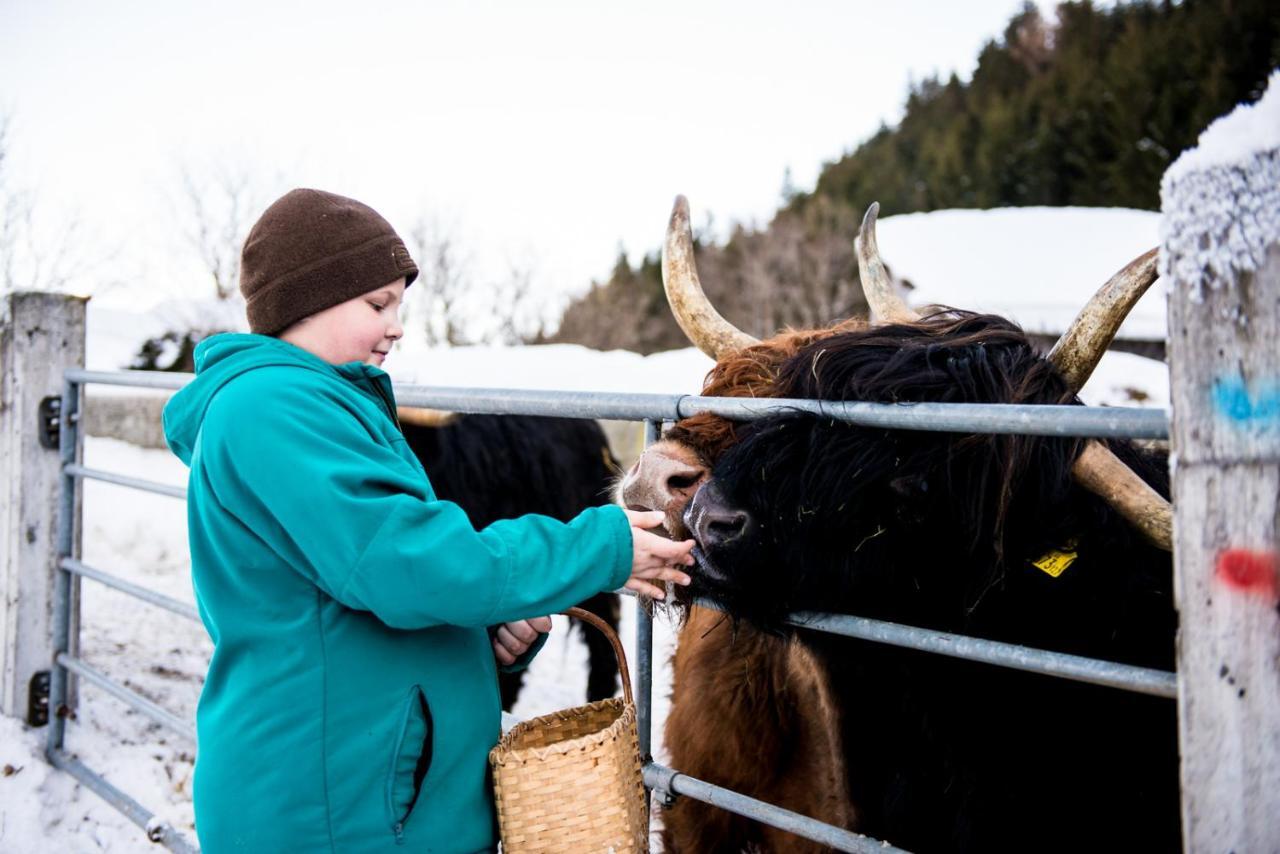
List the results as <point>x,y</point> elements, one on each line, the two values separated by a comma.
<point>974,534</point>
<point>504,466</point>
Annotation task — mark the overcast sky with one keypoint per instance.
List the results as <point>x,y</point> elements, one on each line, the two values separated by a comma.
<point>539,133</point>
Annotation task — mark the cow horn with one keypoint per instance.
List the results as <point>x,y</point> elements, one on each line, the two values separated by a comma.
<point>1103,473</point>
<point>420,417</point>
<point>1075,356</point>
<point>884,300</point>
<point>1077,352</point>
<point>698,318</point>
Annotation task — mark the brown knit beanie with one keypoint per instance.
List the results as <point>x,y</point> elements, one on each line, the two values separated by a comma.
<point>311,250</point>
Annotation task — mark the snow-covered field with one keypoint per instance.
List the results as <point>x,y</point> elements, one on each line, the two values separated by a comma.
<point>142,537</point>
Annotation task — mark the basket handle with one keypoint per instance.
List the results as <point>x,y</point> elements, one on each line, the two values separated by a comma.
<point>588,617</point>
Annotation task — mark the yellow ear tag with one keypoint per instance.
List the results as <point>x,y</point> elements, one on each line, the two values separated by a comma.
<point>1055,563</point>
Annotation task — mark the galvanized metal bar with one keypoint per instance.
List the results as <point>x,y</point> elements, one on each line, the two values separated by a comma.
<point>563,404</point>
<point>1024,419</point>
<point>135,379</point>
<point>128,696</point>
<point>1110,422</point>
<point>1142,680</point>
<point>157,831</point>
<point>124,480</point>
<point>669,781</point>
<point>644,646</point>
<point>68,444</point>
<point>160,600</point>
<point>1003,418</point>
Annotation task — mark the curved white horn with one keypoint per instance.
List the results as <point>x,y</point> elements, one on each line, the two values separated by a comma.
<point>1075,355</point>
<point>1078,351</point>
<point>698,318</point>
<point>1101,472</point>
<point>885,302</point>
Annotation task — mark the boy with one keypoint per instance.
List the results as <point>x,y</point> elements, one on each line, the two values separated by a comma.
<point>352,699</point>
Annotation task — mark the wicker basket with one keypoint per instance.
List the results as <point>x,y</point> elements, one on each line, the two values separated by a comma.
<point>571,780</point>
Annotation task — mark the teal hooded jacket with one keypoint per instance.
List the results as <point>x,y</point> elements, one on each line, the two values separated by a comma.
<point>351,700</point>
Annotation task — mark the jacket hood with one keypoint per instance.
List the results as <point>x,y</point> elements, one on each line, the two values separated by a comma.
<point>221,358</point>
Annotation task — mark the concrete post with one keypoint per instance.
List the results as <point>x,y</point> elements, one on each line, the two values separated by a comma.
<point>41,335</point>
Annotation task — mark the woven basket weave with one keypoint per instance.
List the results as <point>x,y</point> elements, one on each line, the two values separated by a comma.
<point>571,780</point>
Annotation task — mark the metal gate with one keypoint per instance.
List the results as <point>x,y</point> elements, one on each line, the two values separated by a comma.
<point>653,410</point>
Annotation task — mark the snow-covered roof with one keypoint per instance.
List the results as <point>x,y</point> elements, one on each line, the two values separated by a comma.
<point>1037,266</point>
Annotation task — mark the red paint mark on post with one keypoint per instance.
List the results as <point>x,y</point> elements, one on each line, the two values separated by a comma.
<point>1249,571</point>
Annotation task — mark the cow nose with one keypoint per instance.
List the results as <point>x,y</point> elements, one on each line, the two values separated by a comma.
<point>713,522</point>
<point>659,481</point>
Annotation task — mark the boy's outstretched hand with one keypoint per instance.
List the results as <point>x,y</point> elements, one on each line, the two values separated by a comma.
<point>655,558</point>
<point>512,640</point>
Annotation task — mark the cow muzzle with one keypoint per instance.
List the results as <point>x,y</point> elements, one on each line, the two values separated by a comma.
<point>664,478</point>
<point>716,526</point>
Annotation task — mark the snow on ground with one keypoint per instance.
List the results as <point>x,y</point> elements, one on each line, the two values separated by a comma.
<point>1037,266</point>
<point>142,538</point>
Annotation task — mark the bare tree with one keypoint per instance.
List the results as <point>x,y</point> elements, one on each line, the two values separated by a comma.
<point>516,309</point>
<point>215,205</point>
<point>439,294</point>
<point>221,204</point>
<point>33,255</point>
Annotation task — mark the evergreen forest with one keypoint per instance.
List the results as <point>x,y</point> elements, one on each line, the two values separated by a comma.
<point>1089,108</point>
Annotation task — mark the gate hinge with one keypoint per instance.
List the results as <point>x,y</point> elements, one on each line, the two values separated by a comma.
<point>38,699</point>
<point>50,427</point>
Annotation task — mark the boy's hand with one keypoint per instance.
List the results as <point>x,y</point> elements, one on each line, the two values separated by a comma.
<point>512,640</point>
<point>654,557</point>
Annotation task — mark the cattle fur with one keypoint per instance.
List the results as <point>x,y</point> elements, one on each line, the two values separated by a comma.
<point>938,530</point>
<point>504,466</point>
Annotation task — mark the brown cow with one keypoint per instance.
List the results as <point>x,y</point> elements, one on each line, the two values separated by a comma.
<point>761,717</point>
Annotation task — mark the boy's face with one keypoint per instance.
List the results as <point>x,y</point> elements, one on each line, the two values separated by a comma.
<point>358,330</point>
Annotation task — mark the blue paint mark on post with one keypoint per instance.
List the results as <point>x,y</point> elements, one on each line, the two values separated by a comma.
<point>1256,409</point>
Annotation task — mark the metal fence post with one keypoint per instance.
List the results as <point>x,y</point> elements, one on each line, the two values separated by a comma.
<point>644,646</point>
<point>65,627</point>
<point>1221,250</point>
<point>41,335</point>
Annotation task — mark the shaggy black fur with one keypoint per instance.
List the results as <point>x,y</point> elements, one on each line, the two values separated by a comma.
<point>504,466</point>
<point>940,530</point>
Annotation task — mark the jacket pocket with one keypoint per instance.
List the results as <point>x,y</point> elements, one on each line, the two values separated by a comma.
<point>410,759</point>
